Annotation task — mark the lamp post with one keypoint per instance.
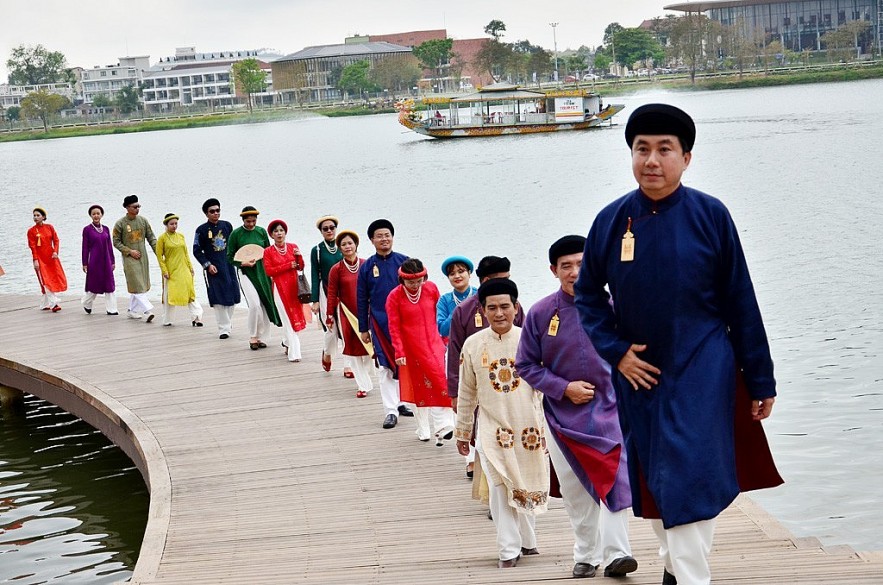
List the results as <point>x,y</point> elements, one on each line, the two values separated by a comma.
<point>554,25</point>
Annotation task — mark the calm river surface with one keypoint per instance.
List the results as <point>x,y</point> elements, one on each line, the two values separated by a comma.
<point>799,167</point>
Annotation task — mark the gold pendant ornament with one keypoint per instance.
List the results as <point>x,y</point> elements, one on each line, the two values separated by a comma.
<point>628,244</point>
<point>376,272</point>
<point>478,321</point>
<point>553,325</point>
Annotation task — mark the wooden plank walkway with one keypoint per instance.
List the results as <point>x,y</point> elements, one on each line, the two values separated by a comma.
<point>262,471</point>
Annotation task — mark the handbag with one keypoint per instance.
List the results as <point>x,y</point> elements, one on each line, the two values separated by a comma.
<point>304,292</point>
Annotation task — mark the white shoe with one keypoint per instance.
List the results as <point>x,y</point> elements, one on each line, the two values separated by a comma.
<point>132,315</point>
<point>421,436</point>
<point>444,434</point>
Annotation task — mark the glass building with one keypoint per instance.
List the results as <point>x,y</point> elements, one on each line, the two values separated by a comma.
<point>797,25</point>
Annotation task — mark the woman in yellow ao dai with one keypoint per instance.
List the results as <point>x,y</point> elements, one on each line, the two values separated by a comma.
<point>177,272</point>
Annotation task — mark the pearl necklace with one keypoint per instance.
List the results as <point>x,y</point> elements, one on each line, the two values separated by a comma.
<point>331,250</point>
<point>354,268</point>
<point>413,297</point>
<point>281,250</point>
<point>99,228</point>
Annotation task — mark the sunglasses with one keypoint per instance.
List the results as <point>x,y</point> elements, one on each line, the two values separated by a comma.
<point>329,228</point>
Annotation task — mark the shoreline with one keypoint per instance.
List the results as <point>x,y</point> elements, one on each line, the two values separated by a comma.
<point>626,87</point>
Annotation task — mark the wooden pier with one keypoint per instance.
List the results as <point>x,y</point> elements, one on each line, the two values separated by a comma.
<point>264,471</point>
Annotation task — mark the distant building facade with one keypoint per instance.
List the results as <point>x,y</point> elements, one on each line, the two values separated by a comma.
<point>312,74</point>
<point>798,25</point>
<point>199,79</point>
<point>109,80</point>
<point>11,95</point>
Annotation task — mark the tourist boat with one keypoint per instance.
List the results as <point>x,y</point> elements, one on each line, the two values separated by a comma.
<point>503,108</point>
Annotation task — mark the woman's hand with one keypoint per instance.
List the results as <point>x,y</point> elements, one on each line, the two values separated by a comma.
<point>165,275</point>
<point>401,361</point>
<point>85,268</point>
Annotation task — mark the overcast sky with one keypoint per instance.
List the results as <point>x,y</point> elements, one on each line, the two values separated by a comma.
<point>98,32</point>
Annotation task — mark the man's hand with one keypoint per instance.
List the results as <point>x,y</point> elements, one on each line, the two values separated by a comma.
<point>315,308</point>
<point>637,371</point>
<point>579,392</point>
<point>463,447</point>
<point>366,337</point>
<point>212,269</point>
<point>135,254</point>
<point>454,404</point>
<point>761,409</point>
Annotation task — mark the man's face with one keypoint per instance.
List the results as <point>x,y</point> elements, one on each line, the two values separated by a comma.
<point>658,163</point>
<point>382,241</point>
<point>213,213</point>
<point>500,312</point>
<point>329,230</point>
<point>249,221</point>
<point>133,209</point>
<point>566,270</point>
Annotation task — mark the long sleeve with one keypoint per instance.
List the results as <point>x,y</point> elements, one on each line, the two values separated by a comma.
<point>394,320</point>
<point>232,247</point>
<point>149,236</point>
<point>529,359</point>
<point>467,400</point>
<point>444,310</point>
<point>455,345</point>
<point>161,254</point>
<point>198,251</point>
<point>85,254</point>
<point>362,297</point>
<point>117,239</point>
<point>187,256</point>
<point>273,266</point>
<point>315,272</point>
<point>55,240</point>
<point>32,242</point>
<point>333,284</point>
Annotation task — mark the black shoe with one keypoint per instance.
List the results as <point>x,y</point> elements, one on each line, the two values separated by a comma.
<point>222,335</point>
<point>526,552</point>
<point>88,311</point>
<point>405,411</point>
<point>390,421</point>
<point>621,567</point>
<point>109,313</point>
<point>583,570</point>
<point>668,578</point>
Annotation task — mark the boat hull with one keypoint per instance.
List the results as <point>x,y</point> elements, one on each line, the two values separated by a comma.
<point>496,129</point>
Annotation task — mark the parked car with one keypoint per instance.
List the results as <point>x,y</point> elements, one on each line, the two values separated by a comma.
<point>570,79</point>
<point>591,77</point>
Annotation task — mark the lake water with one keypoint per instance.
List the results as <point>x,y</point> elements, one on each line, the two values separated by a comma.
<point>799,167</point>
<point>73,507</point>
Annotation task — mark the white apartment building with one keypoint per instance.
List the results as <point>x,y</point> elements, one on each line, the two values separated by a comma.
<point>110,79</point>
<point>198,79</point>
<point>11,95</point>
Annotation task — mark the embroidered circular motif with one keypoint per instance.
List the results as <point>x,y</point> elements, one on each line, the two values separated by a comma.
<point>503,376</point>
<point>505,438</point>
<point>530,439</point>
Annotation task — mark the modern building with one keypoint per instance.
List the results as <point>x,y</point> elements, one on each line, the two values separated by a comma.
<point>110,79</point>
<point>11,95</point>
<point>798,25</point>
<point>311,74</point>
<point>200,79</point>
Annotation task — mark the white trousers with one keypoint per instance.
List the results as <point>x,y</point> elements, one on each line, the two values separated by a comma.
<point>291,338</point>
<point>169,310</point>
<point>389,391</point>
<point>224,317</point>
<point>49,300</point>
<point>601,536</point>
<point>110,301</point>
<point>331,333</point>
<point>258,320</point>
<point>139,303</point>
<point>514,531</point>
<point>433,419</point>
<point>684,550</point>
<point>361,366</point>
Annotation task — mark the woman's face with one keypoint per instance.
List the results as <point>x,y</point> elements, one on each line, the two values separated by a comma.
<point>96,215</point>
<point>348,247</point>
<point>458,276</point>
<point>412,284</point>
<point>39,218</point>
<point>249,221</point>
<point>172,226</point>
<point>279,235</point>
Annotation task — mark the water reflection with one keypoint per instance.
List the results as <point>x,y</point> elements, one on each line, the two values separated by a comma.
<point>72,506</point>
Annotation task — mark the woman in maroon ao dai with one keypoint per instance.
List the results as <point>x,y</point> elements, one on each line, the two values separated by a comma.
<point>98,263</point>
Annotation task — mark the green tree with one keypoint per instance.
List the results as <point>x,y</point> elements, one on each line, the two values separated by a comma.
<point>13,114</point>
<point>740,47</point>
<point>395,73</point>
<point>128,99</point>
<point>602,63</point>
<point>634,45</point>
<point>495,28</point>
<point>435,54</point>
<point>354,78</point>
<point>101,101</point>
<point>610,32</point>
<point>43,105</point>
<point>249,78</point>
<point>692,35</point>
<point>36,65</point>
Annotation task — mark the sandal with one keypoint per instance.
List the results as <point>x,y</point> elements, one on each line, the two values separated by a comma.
<point>254,345</point>
<point>348,374</point>
<point>361,394</point>
<point>261,344</point>
<point>326,365</point>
